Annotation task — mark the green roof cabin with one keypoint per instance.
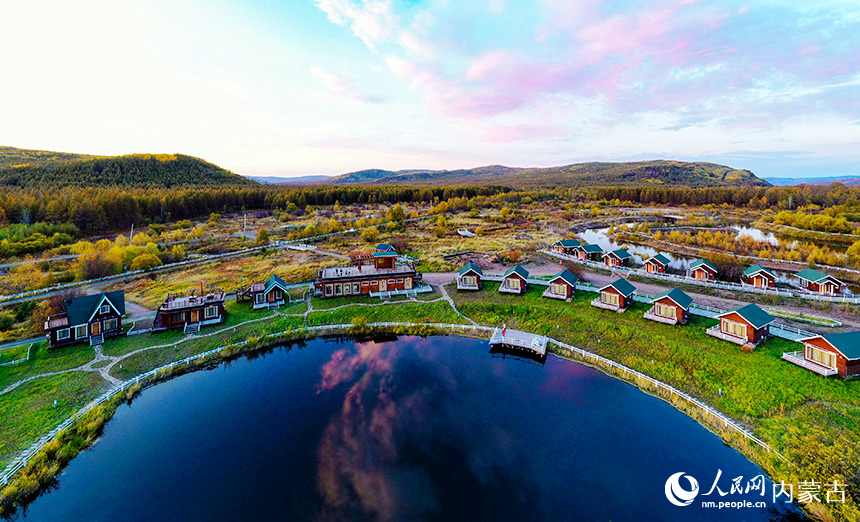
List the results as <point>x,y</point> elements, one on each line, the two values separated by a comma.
<point>618,257</point>
<point>670,307</point>
<point>747,326</point>
<point>703,271</point>
<point>830,354</point>
<point>515,281</point>
<point>566,246</point>
<point>562,285</point>
<point>818,282</point>
<point>615,296</point>
<point>87,319</point>
<point>271,293</point>
<point>657,264</point>
<point>759,276</point>
<point>587,251</point>
<point>469,277</point>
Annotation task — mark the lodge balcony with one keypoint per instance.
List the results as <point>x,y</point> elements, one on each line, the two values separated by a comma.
<point>554,295</point>
<point>597,303</point>
<point>652,315</point>
<point>798,359</point>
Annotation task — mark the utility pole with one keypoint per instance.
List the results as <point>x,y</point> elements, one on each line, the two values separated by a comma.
<point>131,234</point>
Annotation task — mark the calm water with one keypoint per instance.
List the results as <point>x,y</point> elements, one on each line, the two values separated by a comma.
<point>598,236</point>
<point>408,429</point>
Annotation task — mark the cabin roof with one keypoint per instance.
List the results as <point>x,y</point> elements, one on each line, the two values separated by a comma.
<point>385,254</point>
<point>814,276</point>
<point>384,247</point>
<point>591,249</point>
<point>659,258</point>
<point>274,281</point>
<point>846,343</point>
<point>342,272</point>
<point>520,271</point>
<point>704,264</point>
<point>568,243</point>
<point>752,314</point>
<point>81,309</point>
<point>568,276</point>
<point>620,253</point>
<point>755,269</point>
<point>471,267</point>
<point>623,286</point>
<point>678,296</point>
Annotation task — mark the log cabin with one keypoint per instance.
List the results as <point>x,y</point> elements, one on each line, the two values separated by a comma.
<point>703,270</point>
<point>670,307</point>
<point>618,257</point>
<point>566,246</point>
<point>385,247</point>
<point>830,354</point>
<point>587,251</point>
<point>190,310</point>
<point>379,273</point>
<point>760,276</point>
<point>747,326</point>
<point>818,282</point>
<point>515,281</point>
<point>615,296</point>
<point>469,277</point>
<point>657,264</point>
<point>562,286</point>
<point>270,293</point>
<point>87,319</point>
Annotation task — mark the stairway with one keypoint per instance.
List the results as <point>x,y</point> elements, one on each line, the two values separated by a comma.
<point>97,339</point>
<point>191,328</point>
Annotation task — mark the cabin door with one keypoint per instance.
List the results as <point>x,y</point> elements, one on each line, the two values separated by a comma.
<point>195,316</point>
<point>97,328</point>
<point>407,284</point>
<point>383,285</point>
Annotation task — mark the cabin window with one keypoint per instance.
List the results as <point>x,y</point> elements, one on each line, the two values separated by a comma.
<point>733,328</point>
<point>328,290</point>
<point>80,331</point>
<point>338,289</point>
<point>258,298</point>
<point>375,282</point>
<point>391,281</point>
<point>557,288</point>
<point>513,283</point>
<point>399,280</point>
<point>180,316</point>
<point>110,324</point>
<point>609,298</point>
<point>63,334</point>
<point>365,283</point>
<point>105,309</point>
<point>210,312</point>
<point>470,280</point>
<point>347,289</point>
<point>665,310</point>
<point>355,288</point>
<point>821,357</point>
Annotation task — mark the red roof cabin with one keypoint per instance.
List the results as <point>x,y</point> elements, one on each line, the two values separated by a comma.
<point>562,286</point>
<point>515,281</point>
<point>469,277</point>
<point>831,354</point>
<point>566,246</point>
<point>670,307</point>
<point>657,264</point>
<point>819,282</point>
<point>703,271</point>
<point>747,326</point>
<point>87,319</point>
<point>759,276</point>
<point>190,310</point>
<point>615,296</point>
<point>619,257</point>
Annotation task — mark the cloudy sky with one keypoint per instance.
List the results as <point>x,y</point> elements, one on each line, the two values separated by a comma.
<point>298,87</point>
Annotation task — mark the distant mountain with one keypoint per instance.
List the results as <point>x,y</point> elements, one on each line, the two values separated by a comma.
<point>657,173</point>
<point>38,169</point>
<point>274,180</point>
<point>845,180</point>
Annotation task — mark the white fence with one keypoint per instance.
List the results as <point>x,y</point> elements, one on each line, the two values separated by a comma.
<point>723,285</point>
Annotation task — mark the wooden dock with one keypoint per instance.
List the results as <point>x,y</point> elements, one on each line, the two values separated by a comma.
<point>517,339</point>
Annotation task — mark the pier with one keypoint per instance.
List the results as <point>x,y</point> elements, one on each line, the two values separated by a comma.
<point>517,339</point>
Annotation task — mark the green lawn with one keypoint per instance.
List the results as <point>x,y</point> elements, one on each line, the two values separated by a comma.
<point>44,360</point>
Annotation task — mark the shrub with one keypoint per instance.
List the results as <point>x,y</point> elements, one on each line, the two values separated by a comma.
<point>145,262</point>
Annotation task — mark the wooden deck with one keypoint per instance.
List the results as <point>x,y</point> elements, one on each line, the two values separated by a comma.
<point>798,359</point>
<point>652,315</point>
<point>518,339</point>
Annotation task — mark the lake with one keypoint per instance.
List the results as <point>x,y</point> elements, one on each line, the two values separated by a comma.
<point>403,428</point>
<point>600,236</point>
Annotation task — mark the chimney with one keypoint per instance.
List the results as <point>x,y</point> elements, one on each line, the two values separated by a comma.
<point>201,288</point>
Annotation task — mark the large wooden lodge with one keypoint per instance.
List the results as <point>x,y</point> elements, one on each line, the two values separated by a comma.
<point>87,319</point>
<point>190,310</point>
<point>376,273</point>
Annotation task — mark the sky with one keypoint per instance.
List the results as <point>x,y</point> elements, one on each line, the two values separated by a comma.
<point>304,87</point>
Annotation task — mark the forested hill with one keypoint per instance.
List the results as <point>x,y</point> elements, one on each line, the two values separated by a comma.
<point>642,173</point>
<point>42,169</point>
